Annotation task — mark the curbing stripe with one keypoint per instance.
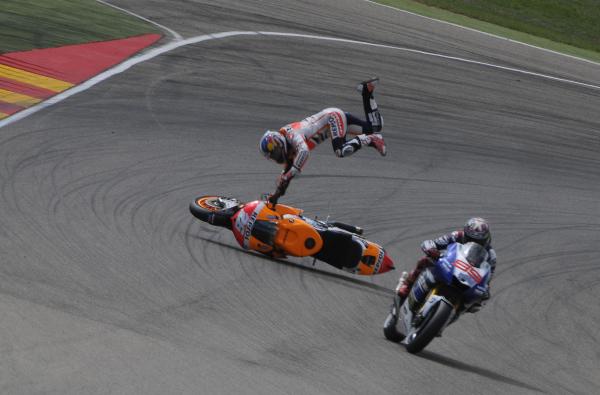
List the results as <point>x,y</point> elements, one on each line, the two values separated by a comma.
<point>10,109</point>
<point>36,80</point>
<point>17,98</point>
<point>126,65</point>
<point>24,89</point>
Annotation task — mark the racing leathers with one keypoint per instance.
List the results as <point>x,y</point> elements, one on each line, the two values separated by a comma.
<point>302,137</point>
<point>432,249</point>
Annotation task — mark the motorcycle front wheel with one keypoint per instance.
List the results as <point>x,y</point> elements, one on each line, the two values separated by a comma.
<point>430,328</point>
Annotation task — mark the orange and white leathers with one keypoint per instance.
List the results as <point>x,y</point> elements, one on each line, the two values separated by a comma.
<point>302,137</point>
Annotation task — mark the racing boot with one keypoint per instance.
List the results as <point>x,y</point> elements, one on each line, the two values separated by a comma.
<point>403,286</point>
<point>376,141</point>
<point>407,279</point>
<point>369,84</point>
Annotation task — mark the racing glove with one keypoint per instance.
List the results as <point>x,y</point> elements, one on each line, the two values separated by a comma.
<point>282,185</point>
<point>430,249</point>
<point>273,198</point>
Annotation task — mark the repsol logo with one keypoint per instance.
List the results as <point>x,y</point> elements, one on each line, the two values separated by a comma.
<point>333,126</point>
<point>379,261</point>
<point>249,226</point>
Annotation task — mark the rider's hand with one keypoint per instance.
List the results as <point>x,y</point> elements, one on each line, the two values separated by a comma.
<point>273,198</point>
<point>430,249</point>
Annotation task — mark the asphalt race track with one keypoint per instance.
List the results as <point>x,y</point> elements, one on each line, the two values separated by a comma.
<point>109,286</point>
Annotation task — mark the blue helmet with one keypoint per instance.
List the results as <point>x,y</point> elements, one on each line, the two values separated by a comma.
<point>273,146</point>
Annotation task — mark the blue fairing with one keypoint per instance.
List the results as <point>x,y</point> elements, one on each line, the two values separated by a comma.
<point>442,271</point>
<point>446,271</point>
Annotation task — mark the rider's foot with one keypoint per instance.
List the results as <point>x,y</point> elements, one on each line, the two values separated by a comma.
<point>403,286</point>
<point>376,141</point>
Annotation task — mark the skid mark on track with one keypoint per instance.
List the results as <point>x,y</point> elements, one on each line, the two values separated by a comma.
<point>340,278</point>
<point>223,35</point>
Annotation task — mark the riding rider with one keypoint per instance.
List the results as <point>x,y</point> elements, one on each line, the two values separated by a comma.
<point>291,145</point>
<point>476,230</point>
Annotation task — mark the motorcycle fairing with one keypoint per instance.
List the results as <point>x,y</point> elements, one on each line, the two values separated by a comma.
<point>252,228</point>
<point>455,267</point>
<point>281,230</point>
<point>450,276</point>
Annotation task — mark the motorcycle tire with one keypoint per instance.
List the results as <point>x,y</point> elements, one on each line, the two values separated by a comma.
<point>431,327</point>
<point>209,209</point>
<point>389,329</point>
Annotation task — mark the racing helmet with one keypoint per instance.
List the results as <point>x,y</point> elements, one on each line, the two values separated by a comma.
<point>273,146</point>
<point>478,230</point>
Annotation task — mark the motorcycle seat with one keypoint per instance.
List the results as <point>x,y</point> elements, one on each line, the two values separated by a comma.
<point>340,249</point>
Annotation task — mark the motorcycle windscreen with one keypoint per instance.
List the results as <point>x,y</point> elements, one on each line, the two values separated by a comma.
<point>474,253</point>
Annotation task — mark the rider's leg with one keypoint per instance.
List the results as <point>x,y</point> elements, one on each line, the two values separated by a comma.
<point>372,114</point>
<point>420,289</point>
<point>365,136</point>
<point>338,126</point>
<point>368,131</point>
<point>405,283</point>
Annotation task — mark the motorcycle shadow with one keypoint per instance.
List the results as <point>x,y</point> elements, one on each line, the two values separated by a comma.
<point>340,278</point>
<point>464,367</point>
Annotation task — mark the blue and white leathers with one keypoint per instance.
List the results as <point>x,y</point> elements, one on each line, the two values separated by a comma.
<point>458,279</point>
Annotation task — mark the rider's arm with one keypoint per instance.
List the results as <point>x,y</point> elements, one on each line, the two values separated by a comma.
<point>444,241</point>
<point>293,167</point>
<point>492,259</point>
<point>301,156</point>
<point>433,247</point>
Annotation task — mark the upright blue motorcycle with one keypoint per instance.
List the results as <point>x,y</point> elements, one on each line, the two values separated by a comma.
<point>456,283</point>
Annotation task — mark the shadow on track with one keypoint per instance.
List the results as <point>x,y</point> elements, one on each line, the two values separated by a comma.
<point>337,277</point>
<point>464,367</point>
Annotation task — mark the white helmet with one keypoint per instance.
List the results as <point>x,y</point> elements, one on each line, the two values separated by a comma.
<point>478,230</point>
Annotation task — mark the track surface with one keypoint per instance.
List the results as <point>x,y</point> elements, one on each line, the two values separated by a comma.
<point>109,286</point>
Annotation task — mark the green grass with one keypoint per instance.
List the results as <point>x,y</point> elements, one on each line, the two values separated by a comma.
<point>28,24</point>
<point>571,27</point>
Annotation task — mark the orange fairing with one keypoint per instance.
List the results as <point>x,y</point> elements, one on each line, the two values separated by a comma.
<point>282,209</point>
<point>374,261</point>
<point>297,238</point>
<point>294,236</point>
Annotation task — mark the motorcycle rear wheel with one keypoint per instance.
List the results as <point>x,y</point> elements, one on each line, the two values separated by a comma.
<point>431,327</point>
<point>389,329</point>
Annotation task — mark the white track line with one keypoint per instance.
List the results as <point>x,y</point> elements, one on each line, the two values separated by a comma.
<point>482,32</point>
<point>175,35</point>
<point>195,40</point>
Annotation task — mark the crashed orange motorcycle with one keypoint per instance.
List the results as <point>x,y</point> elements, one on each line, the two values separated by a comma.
<point>280,231</point>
